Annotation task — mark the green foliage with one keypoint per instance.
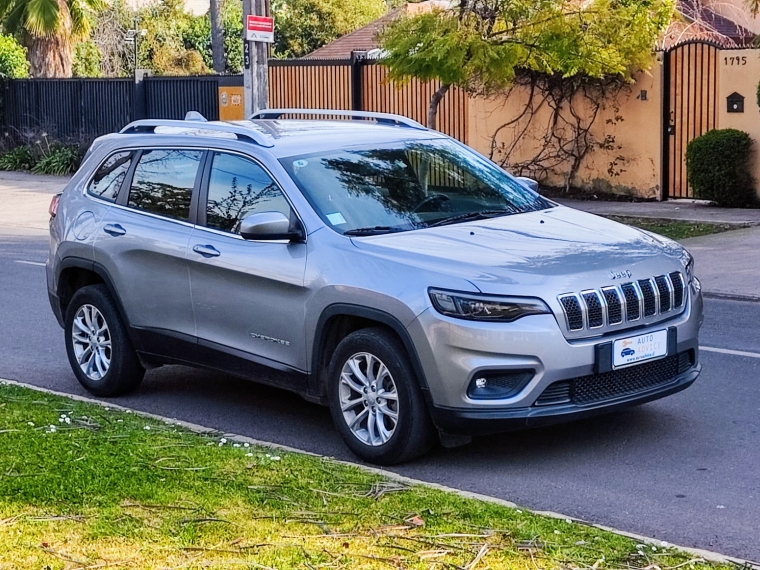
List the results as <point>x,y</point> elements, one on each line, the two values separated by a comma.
<point>301,26</point>
<point>717,167</point>
<point>13,62</point>
<point>43,157</point>
<point>86,60</point>
<point>59,159</point>
<point>19,158</point>
<point>481,48</point>
<point>163,48</point>
<point>197,36</point>
<point>42,18</point>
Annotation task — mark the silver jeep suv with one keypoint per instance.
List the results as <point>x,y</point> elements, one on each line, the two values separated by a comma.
<point>373,265</point>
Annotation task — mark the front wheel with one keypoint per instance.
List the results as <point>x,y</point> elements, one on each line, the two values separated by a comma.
<point>375,401</point>
<point>99,349</point>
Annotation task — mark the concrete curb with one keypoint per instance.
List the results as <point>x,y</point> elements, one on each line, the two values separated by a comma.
<point>196,428</point>
<point>731,297</point>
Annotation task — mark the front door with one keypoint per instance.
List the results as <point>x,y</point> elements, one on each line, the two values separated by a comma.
<point>248,296</point>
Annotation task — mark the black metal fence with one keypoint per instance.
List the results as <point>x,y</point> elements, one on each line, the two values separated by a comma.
<point>82,109</point>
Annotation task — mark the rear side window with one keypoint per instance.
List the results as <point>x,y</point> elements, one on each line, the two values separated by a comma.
<point>163,182</point>
<point>238,187</point>
<point>109,177</point>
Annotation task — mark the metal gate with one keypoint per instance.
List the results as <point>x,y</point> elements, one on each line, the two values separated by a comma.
<point>690,105</point>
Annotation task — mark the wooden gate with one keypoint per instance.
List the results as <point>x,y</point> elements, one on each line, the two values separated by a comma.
<point>690,104</point>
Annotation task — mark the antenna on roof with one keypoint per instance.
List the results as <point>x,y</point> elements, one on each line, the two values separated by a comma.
<point>195,116</point>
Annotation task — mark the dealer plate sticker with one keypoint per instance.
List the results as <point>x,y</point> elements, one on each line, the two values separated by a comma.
<point>639,348</point>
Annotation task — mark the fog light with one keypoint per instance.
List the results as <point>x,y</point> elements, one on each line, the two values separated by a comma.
<point>497,384</point>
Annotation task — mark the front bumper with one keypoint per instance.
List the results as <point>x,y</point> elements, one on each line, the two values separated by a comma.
<point>484,422</point>
<point>452,352</point>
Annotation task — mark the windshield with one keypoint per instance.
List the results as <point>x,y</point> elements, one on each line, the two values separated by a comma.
<point>364,191</point>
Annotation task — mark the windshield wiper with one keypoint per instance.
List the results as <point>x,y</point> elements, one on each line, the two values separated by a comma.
<point>373,231</point>
<point>469,216</point>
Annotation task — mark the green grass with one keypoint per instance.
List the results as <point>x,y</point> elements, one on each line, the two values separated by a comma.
<point>676,229</point>
<point>82,486</point>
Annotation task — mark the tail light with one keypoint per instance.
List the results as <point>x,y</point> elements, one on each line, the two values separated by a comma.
<point>53,209</point>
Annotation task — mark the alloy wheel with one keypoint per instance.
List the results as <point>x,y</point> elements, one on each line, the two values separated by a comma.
<point>368,399</point>
<point>92,342</point>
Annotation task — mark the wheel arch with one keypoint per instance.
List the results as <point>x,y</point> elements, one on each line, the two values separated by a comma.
<point>341,319</point>
<point>73,273</point>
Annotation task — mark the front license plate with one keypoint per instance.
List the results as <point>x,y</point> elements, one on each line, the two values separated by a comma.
<point>639,348</point>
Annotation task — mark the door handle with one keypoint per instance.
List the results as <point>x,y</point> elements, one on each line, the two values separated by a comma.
<point>114,229</point>
<point>206,250</point>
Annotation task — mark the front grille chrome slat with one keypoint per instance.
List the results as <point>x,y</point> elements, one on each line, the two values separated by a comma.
<point>625,303</point>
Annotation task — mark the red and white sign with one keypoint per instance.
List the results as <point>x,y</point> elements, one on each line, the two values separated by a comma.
<point>259,29</point>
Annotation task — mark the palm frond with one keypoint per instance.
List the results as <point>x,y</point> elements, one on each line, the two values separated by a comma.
<point>81,17</point>
<point>42,17</point>
<point>7,5</point>
<point>14,21</point>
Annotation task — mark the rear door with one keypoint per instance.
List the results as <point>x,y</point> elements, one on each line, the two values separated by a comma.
<point>142,241</point>
<point>249,296</point>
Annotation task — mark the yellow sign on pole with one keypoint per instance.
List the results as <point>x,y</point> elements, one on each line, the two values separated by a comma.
<point>231,106</point>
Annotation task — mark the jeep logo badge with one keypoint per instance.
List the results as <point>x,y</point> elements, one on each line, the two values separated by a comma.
<point>621,274</point>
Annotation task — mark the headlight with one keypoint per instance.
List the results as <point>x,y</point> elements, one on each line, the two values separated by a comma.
<point>485,308</point>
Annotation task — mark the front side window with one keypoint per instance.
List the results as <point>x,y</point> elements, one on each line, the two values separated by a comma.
<point>406,186</point>
<point>238,187</point>
<point>163,182</point>
<point>109,177</point>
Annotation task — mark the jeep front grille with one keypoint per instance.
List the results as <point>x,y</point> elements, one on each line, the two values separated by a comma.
<point>618,304</point>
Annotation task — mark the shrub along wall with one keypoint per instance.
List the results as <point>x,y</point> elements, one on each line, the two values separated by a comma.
<point>717,166</point>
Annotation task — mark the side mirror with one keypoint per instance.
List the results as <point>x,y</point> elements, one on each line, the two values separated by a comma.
<point>529,183</point>
<point>270,226</point>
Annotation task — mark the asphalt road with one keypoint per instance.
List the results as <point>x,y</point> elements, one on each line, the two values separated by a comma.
<point>684,469</point>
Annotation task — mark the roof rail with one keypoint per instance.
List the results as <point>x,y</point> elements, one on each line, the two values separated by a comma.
<point>241,132</point>
<point>387,118</point>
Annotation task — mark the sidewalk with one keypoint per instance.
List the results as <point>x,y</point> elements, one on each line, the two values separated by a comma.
<point>727,264</point>
<point>24,202</point>
<point>672,210</point>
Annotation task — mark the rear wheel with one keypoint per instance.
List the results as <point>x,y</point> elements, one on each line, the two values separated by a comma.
<point>99,350</point>
<point>375,401</point>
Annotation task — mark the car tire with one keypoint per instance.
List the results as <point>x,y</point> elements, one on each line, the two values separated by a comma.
<point>363,404</point>
<point>98,346</point>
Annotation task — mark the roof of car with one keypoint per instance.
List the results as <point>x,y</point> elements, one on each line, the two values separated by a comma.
<point>294,136</point>
<point>288,137</point>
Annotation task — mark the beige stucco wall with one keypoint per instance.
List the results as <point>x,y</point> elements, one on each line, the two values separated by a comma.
<point>741,75</point>
<point>634,122</point>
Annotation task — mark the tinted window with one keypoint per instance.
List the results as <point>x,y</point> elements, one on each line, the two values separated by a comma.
<point>163,182</point>
<point>238,187</point>
<point>109,177</point>
<point>407,186</point>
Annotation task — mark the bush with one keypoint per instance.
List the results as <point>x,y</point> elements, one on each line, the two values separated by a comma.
<point>86,60</point>
<point>717,167</point>
<point>19,158</point>
<point>59,159</point>
<point>13,62</point>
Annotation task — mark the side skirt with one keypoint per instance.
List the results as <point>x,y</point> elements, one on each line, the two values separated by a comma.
<point>169,347</point>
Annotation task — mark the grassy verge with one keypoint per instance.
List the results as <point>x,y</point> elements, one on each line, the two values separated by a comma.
<point>675,229</point>
<point>83,486</point>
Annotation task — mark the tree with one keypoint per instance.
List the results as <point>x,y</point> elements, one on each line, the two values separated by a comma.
<point>217,36</point>
<point>49,29</point>
<point>13,62</point>
<point>301,26</point>
<point>482,45</point>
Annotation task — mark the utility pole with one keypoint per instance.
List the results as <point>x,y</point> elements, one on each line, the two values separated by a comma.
<point>258,33</point>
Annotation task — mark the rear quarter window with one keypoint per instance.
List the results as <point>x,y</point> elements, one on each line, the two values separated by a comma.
<point>108,178</point>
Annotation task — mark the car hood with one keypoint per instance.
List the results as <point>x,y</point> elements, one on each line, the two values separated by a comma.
<point>569,249</point>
